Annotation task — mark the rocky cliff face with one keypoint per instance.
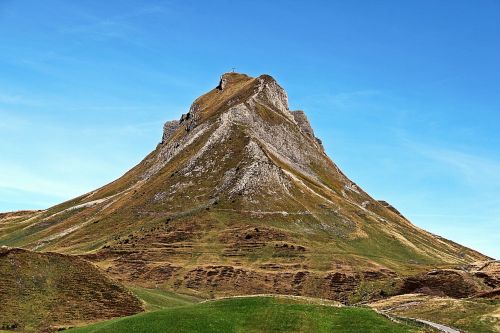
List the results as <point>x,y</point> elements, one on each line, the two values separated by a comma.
<point>239,196</point>
<point>303,123</point>
<point>269,134</point>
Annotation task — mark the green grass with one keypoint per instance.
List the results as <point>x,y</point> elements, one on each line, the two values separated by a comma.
<point>157,299</point>
<point>250,315</point>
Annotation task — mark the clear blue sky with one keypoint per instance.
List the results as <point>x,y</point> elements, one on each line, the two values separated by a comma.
<point>404,94</point>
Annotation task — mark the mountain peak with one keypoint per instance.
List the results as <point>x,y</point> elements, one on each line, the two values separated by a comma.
<point>230,78</point>
<point>233,89</point>
<point>239,84</point>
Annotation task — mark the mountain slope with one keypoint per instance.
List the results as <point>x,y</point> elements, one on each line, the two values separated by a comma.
<point>239,197</point>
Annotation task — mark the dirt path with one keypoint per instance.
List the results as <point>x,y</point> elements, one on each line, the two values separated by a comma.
<point>440,327</point>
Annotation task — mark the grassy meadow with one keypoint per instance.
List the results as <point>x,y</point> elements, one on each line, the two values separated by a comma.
<point>253,314</point>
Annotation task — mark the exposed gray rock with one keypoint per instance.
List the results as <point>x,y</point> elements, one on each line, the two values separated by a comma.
<point>171,148</point>
<point>301,119</point>
<point>169,129</point>
<point>188,120</point>
<point>305,126</point>
<point>222,82</point>
<point>273,95</point>
<point>290,141</point>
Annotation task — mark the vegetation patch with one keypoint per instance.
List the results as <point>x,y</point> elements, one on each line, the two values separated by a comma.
<point>471,315</point>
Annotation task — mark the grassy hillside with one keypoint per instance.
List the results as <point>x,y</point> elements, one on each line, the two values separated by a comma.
<point>470,315</point>
<point>41,291</point>
<point>156,299</point>
<point>253,314</point>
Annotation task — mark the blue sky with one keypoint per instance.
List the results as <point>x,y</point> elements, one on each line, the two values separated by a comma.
<point>404,94</point>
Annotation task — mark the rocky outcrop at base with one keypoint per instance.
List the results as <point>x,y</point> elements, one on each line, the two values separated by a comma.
<point>446,282</point>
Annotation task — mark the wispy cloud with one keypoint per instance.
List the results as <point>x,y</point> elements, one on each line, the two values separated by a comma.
<point>11,200</point>
<point>114,27</point>
<point>131,129</point>
<point>350,99</point>
<point>15,177</point>
<point>86,132</point>
<point>120,26</point>
<point>102,30</point>
<point>11,121</point>
<point>475,169</point>
<point>8,98</point>
<point>452,216</point>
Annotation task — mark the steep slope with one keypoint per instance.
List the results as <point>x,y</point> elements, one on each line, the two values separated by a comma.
<point>43,291</point>
<point>239,197</point>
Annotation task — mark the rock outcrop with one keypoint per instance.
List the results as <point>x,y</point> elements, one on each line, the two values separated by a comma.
<point>303,122</point>
<point>445,282</point>
<point>391,208</point>
<point>168,129</point>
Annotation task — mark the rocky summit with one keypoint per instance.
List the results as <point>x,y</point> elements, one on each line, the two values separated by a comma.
<point>239,197</point>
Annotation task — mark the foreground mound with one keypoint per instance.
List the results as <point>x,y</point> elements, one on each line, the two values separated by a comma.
<point>253,314</point>
<point>41,291</point>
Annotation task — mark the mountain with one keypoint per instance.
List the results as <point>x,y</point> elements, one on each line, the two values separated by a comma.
<point>239,198</point>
